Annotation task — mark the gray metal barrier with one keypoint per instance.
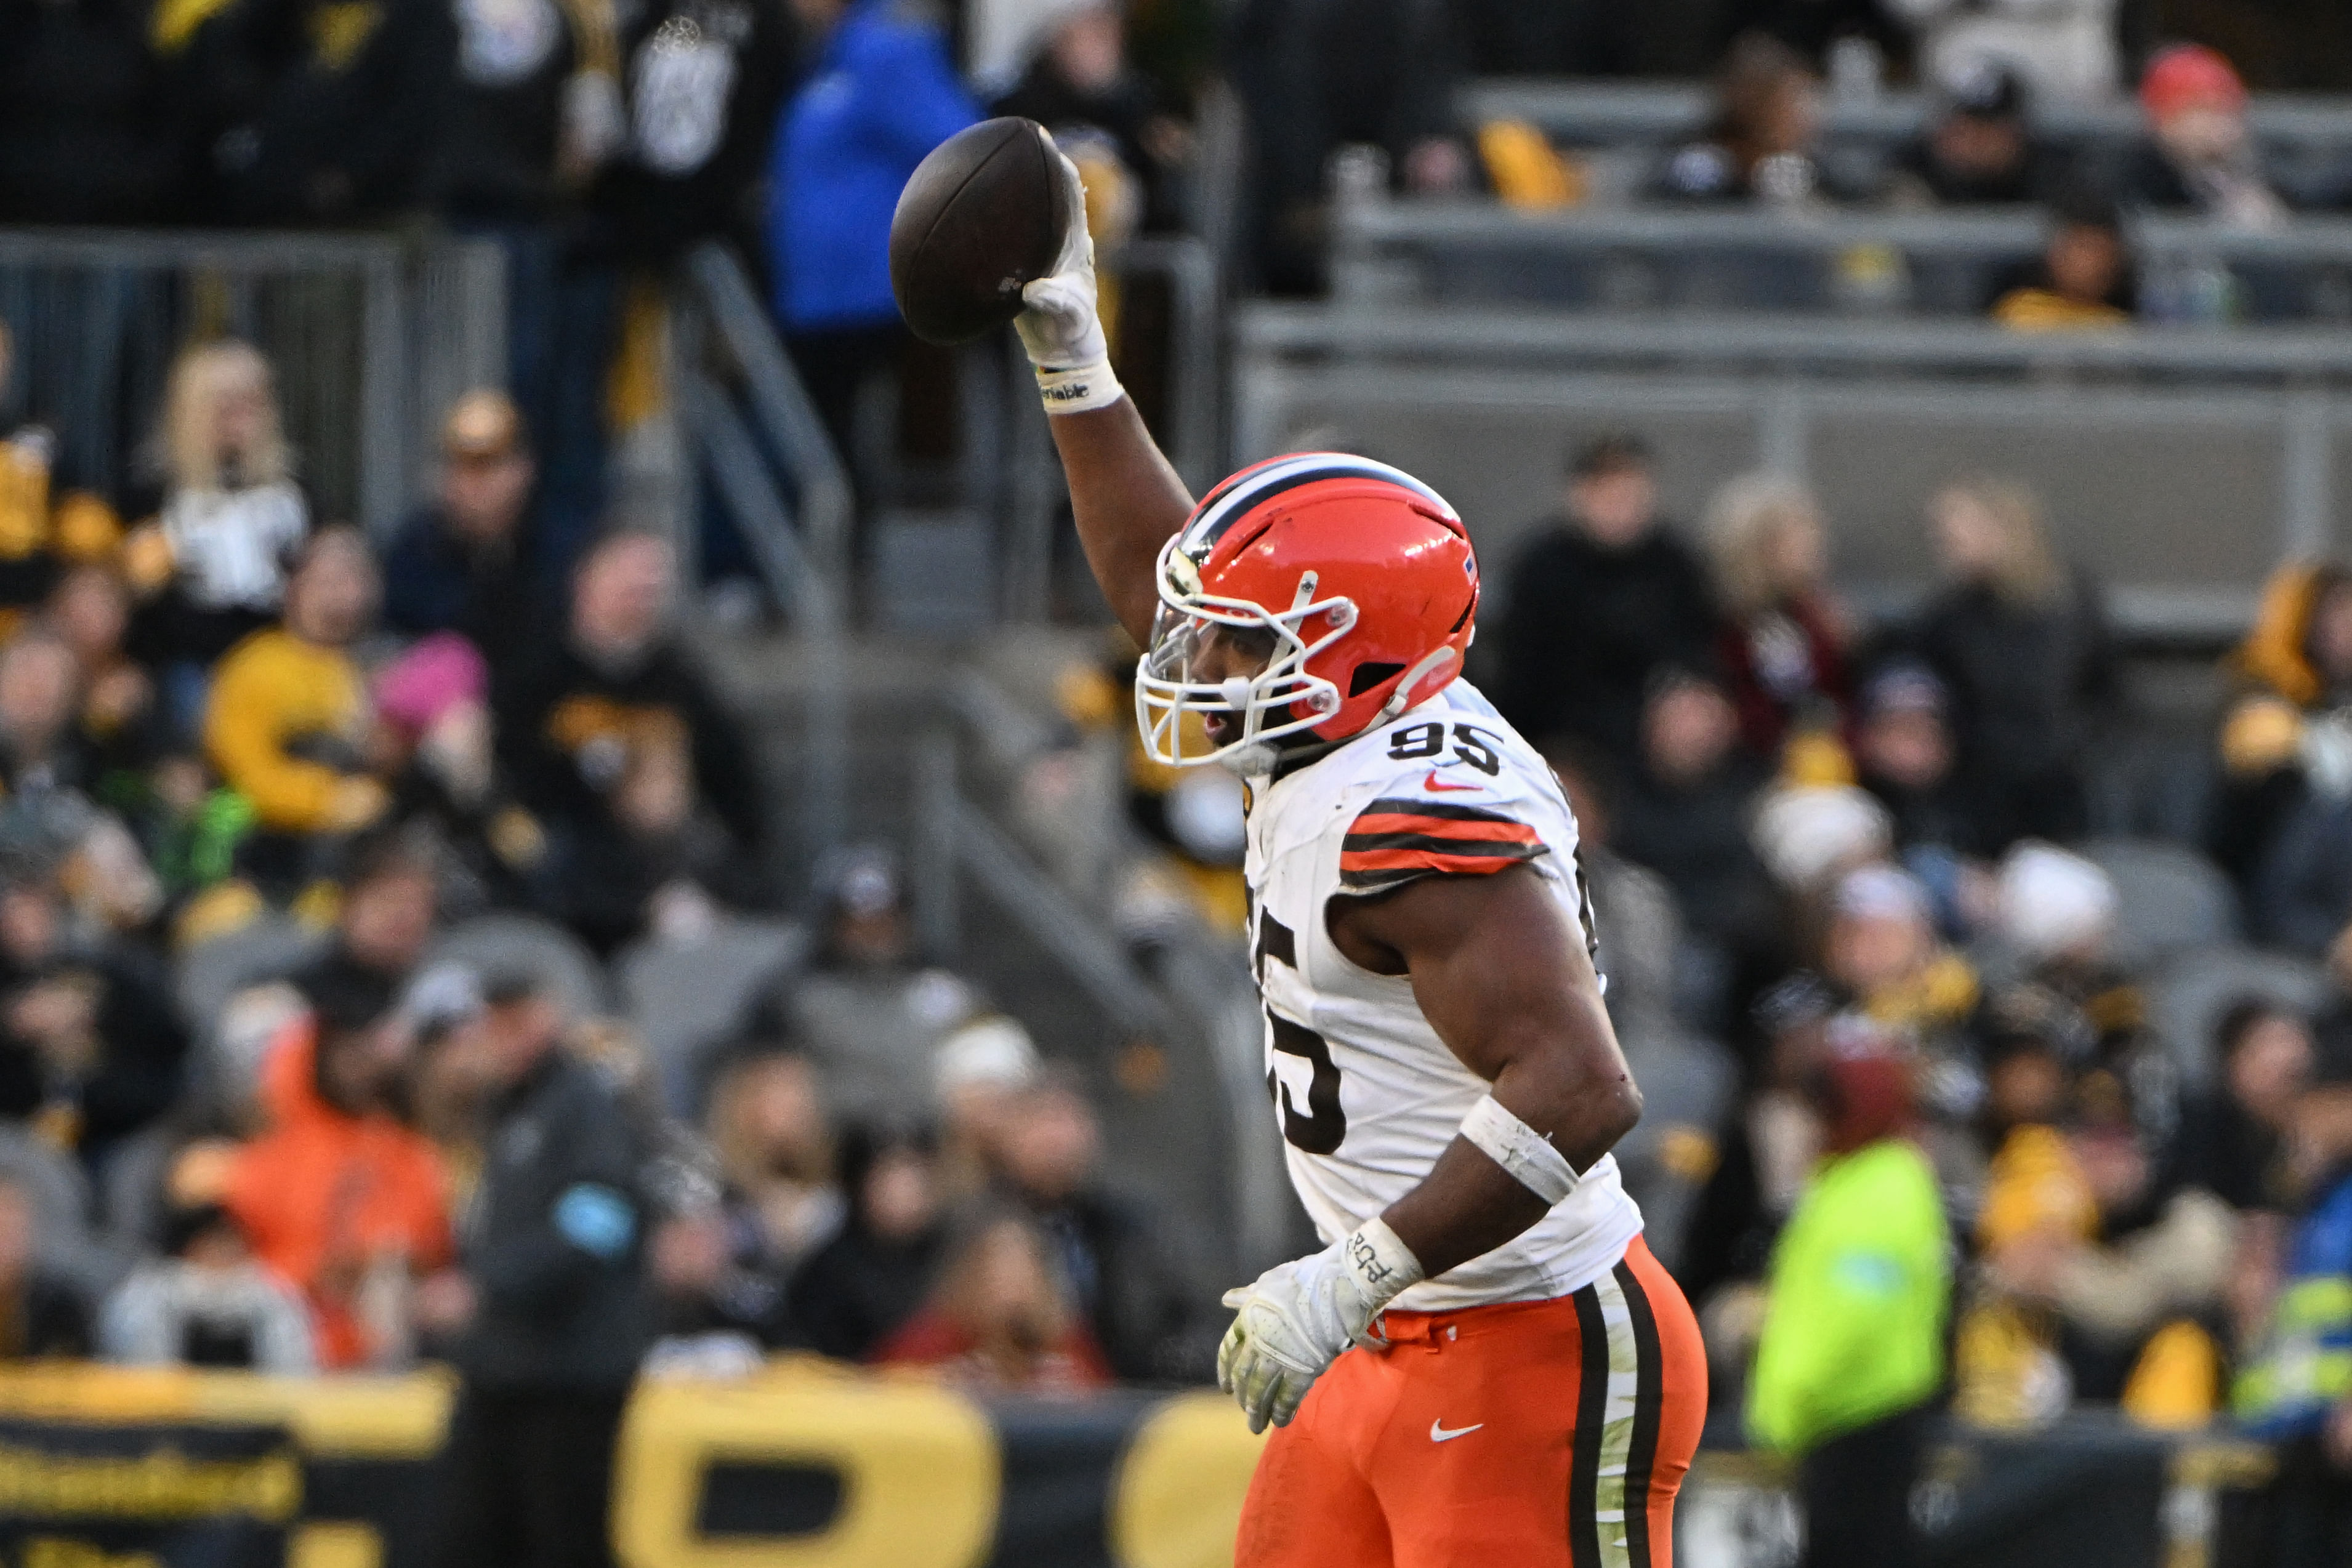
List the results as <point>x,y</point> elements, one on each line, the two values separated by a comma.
<point>1601,112</point>
<point>372,336</point>
<point>2180,467</point>
<point>1468,250</point>
<point>752,431</point>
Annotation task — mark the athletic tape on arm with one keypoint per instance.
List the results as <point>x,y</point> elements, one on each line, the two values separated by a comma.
<point>1519,1149</point>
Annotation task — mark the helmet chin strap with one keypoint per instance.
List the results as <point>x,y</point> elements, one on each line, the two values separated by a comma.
<point>1399,700</point>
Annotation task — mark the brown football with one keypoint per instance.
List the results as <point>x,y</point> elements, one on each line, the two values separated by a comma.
<point>980,217</point>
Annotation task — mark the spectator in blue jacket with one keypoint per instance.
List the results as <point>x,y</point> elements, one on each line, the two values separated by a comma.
<point>881,92</point>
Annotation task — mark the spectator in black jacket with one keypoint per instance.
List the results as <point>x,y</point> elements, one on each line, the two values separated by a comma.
<point>1683,814</point>
<point>702,82</point>
<point>90,1044</point>
<point>321,110</point>
<point>1123,1278</point>
<point>2301,899</point>
<point>83,133</point>
<point>1602,600</point>
<point>571,720</point>
<point>2019,639</point>
<point>1903,754</point>
<point>554,1303</point>
<point>1979,148</point>
<point>461,564</point>
<point>1079,80</point>
<point>861,1286</point>
<point>2234,1136</point>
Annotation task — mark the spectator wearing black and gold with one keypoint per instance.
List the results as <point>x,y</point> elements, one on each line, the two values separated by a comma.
<point>309,111</point>
<point>90,1043</point>
<point>2100,1270</point>
<point>1977,149</point>
<point>211,566</point>
<point>2056,915</point>
<point>121,724</point>
<point>2084,280</point>
<point>572,723</point>
<point>2281,740</point>
<point>460,563</point>
<point>42,529</point>
<point>288,721</point>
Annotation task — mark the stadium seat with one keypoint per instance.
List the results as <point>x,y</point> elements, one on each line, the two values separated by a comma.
<point>2149,787</point>
<point>2187,997</point>
<point>684,997</point>
<point>490,942</point>
<point>2168,898</point>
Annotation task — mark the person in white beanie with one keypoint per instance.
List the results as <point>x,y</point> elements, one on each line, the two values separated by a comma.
<point>2055,906</point>
<point>1808,835</point>
<point>977,1074</point>
<point>2057,915</point>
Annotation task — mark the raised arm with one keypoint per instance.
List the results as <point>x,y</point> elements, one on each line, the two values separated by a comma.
<point>1126,498</point>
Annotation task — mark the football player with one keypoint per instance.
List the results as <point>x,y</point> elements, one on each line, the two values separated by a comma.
<point>1486,1365</point>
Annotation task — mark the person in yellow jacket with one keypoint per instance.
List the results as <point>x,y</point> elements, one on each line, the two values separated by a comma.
<point>286,722</point>
<point>2284,735</point>
<point>43,532</point>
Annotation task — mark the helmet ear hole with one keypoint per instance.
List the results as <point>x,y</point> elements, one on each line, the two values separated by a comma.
<point>1369,674</point>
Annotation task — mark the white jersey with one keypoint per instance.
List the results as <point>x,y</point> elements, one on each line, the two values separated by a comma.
<point>1368,1094</point>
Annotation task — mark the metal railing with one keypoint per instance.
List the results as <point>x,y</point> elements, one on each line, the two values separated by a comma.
<point>2180,467</point>
<point>1601,112</point>
<point>372,336</point>
<point>751,428</point>
<point>1388,251</point>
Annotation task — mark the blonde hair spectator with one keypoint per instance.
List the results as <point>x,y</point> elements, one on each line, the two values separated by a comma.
<point>1990,531</point>
<point>1769,540</point>
<point>221,424</point>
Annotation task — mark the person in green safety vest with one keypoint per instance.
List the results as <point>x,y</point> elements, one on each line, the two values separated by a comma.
<point>1851,1362</point>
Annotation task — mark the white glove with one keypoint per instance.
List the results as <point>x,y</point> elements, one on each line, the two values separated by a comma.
<point>1300,1315</point>
<point>1059,326</point>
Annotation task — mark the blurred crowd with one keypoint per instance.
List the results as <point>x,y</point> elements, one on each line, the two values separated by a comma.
<point>1844,870</point>
<point>393,967</point>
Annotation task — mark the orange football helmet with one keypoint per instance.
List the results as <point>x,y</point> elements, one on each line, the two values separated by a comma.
<point>1362,574</point>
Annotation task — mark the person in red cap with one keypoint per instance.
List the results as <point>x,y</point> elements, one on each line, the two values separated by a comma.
<point>2199,156</point>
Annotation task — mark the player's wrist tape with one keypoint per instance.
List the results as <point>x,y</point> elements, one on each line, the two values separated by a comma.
<point>1078,390</point>
<point>1382,1264</point>
<point>1519,1149</point>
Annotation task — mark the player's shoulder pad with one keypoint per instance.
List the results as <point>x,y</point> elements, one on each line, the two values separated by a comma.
<point>1438,793</point>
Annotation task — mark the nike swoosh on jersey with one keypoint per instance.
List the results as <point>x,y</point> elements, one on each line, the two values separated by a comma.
<point>1438,1434</point>
<point>1432,784</point>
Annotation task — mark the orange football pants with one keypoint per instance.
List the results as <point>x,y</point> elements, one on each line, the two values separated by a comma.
<point>1532,1435</point>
